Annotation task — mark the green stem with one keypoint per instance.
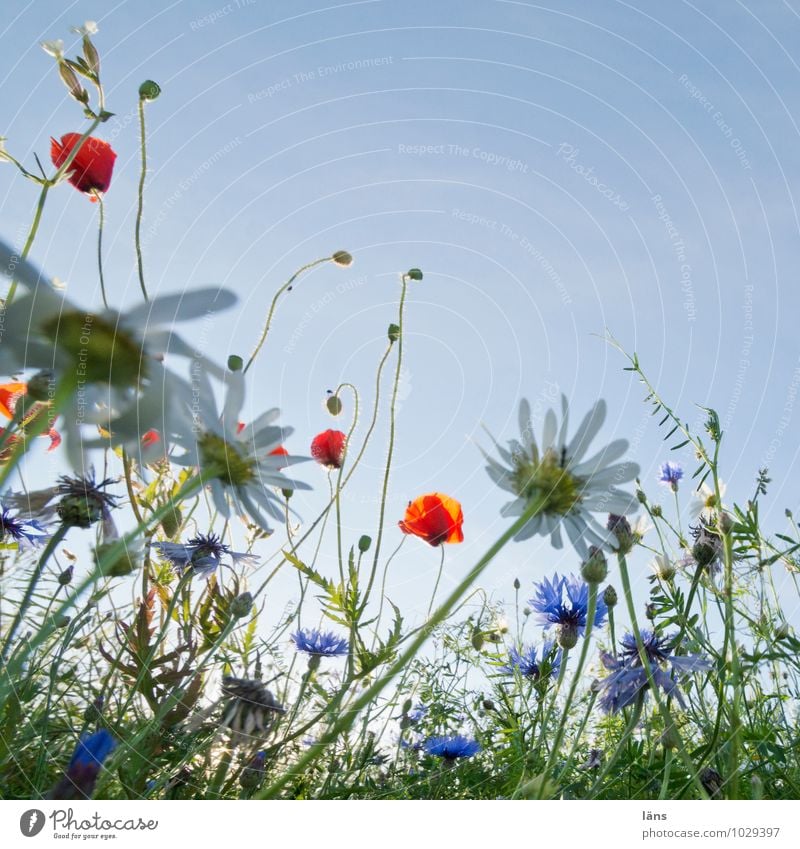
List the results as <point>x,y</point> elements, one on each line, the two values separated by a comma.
<point>51,546</point>
<point>633,721</point>
<point>140,207</point>
<point>645,661</point>
<point>99,198</point>
<point>347,717</point>
<point>268,323</point>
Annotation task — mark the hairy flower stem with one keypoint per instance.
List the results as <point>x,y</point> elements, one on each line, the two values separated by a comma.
<point>37,217</point>
<point>51,546</point>
<point>436,585</point>
<point>348,716</point>
<point>591,608</point>
<point>390,452</point>
<point>268,323</point>
<point>100,226</point>
<point>633,721</point>
<point>645,661</point>
<point>735,678</point>
<point>140,207</point>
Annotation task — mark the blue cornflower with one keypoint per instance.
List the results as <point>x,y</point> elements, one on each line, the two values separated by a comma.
<point>670,473</point>
<point>528,663</point>
<point>417,713</point>
<point>320,643</point>
<point>564,602</point>
<point>452,748</point>
<point>20,531</point>
<point>80,776</point>
<point>201,554</point>
<point>629,678</point>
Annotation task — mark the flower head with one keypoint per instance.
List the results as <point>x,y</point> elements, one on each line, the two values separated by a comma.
<point>564,601</point>
<point>527,663</point>
<point>238,464</point>
<point>83,501</point>
<point>80,776</point>
<point>249,708</point>
<point>628,679</point>
<point>567,487</point>
<point>20,530</point>
<point>91,170</point>
<point>670,473</point>
<point>452,747</point>
<point>54,48</point>
<point>705,502</point>
<point>436,518</point>
<point>328,448</point>
<point>320,643</point>
<point>89,28</point>
<point>201,554</point>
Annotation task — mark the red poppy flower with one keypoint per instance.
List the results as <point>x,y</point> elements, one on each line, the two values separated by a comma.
<point>328,447</point>
<point>91,169</point>
<point>436,518</point>
<point>151,437</point>
<point>10,393</point>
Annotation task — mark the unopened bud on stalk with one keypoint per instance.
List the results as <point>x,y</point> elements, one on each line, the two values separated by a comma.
<point>70,80</point>
<point>782,631</point>
<point>342,258</point>
<point>334,405</point>
<point>149,90</point>
<point>610,596</point>
<point>364,542</point>
<point>567,636</point>
<point>235,362</point>
<point>65,577</point>
<point>517,584</point>
<point>595,569</point>
<point>414,274</point>
<point>242,605</point>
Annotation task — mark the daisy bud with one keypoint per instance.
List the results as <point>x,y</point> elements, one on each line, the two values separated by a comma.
<point>40,385</point>
<point>235,362</point>
<point>65,578</point>
<point>334,405</point>
<point>342,258</point>
<point>364,542</point>
<point>414,274</point>
<point>242,605</point>
<point>664,568</point>
<point>567,636</point>
<point>782,631</point>
<point>393,332</point>
<point>610,596</point>
<point>595,568</point>
<point>149,90</point>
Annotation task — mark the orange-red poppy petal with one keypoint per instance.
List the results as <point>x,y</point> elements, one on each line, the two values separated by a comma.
<point>435,518</point>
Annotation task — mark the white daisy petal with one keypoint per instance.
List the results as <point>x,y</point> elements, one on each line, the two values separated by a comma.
<point>586,432</point>
<point>549,430</point>
<point>612,452</point>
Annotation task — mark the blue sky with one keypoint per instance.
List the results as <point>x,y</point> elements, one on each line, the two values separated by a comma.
<point>555,170</point>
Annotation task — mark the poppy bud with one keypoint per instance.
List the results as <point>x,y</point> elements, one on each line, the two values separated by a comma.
<point>334,405</point>
<point>595,568</point>
<point>287,493</point>
<point>235,362</point>
<point>610,596</point>
<point>407,705</point>
<point>149,90</point>
<point>364,542</point>
<point>414,274</point>
<point>393,332</point>
<point>65,577</point>
<point>242,605</point>
<point>40,385</point>
<point>342,258</point>
<point>517,584</point>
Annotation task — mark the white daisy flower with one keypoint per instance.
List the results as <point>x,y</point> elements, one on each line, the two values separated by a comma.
<point>573,487</point>
<point>664,568</point>
<point>54,48</point>
<point>240,464</point>
<point>113,359</point>
<point>89,28</point>
<point>704,500</point>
